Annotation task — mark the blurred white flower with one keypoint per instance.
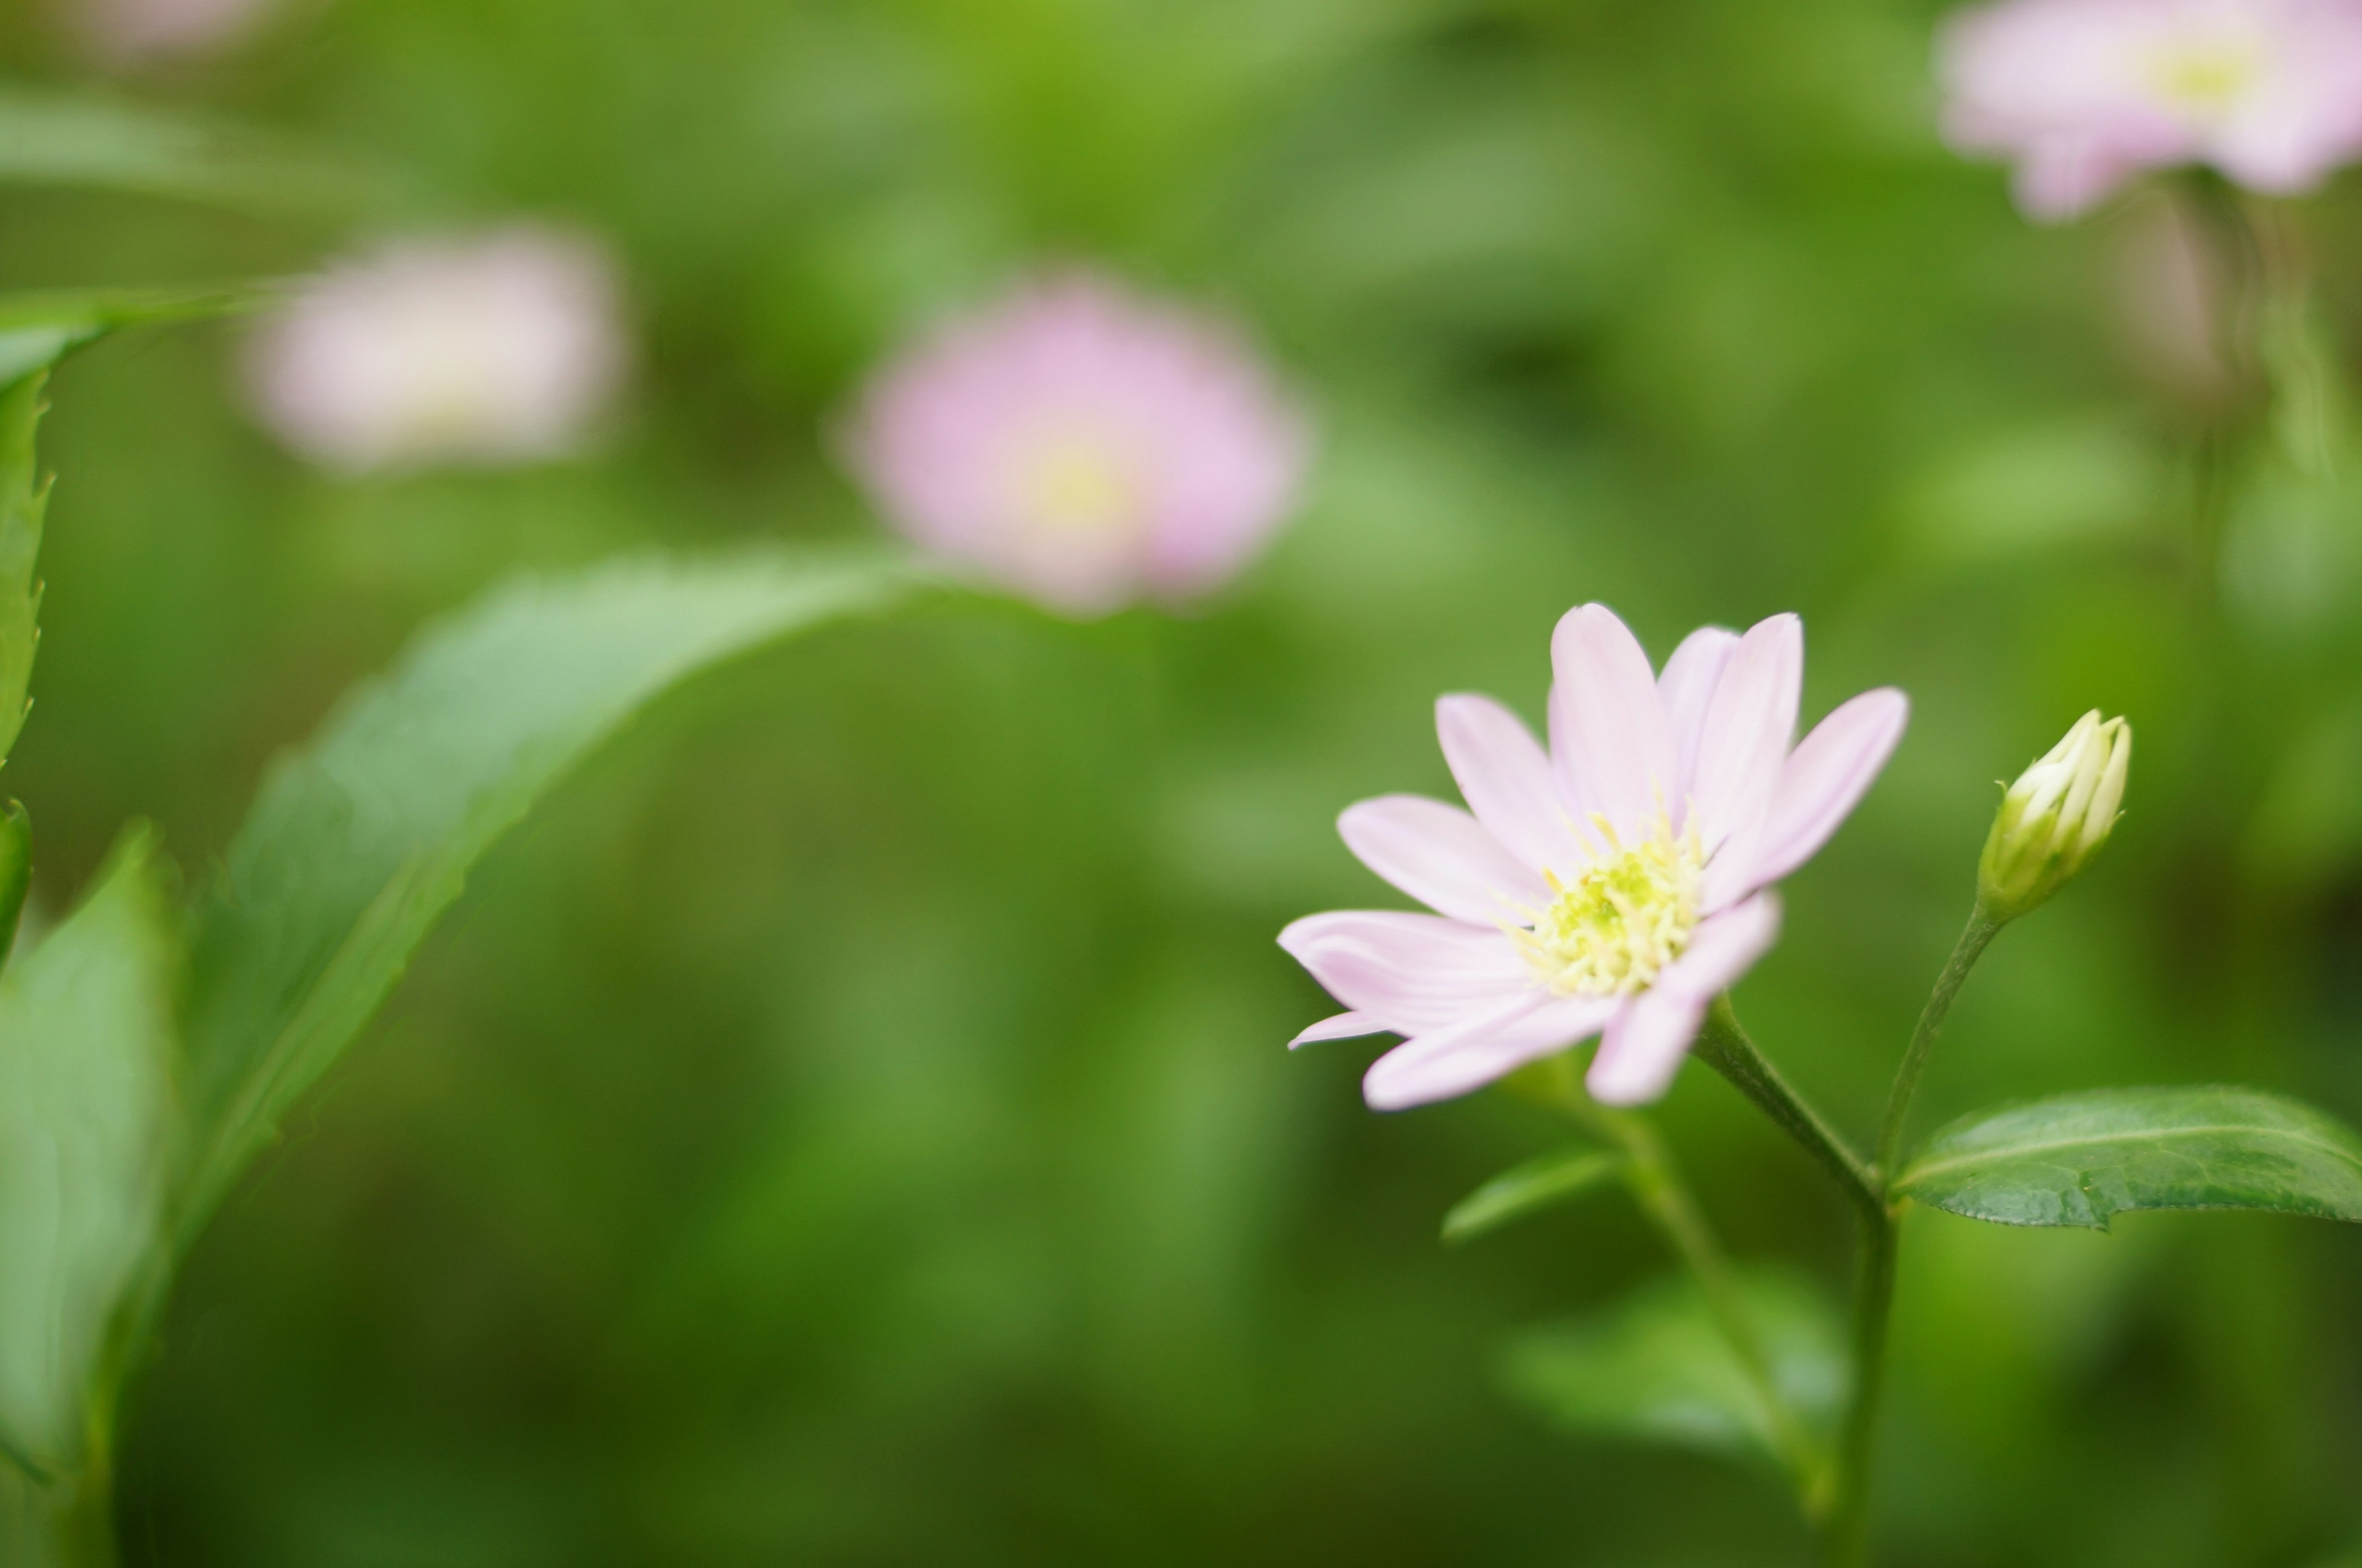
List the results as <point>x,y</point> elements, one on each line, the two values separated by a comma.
<point>1084,446</point>
<point>127,31</point>
<point>489,349</point>
<point>2083,95</point>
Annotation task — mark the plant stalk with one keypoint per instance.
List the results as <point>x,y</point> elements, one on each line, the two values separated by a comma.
<point>1873,1294</point>
<point>1664,1198</point>
<point>1981,929</point>
<point>1724,1045</point>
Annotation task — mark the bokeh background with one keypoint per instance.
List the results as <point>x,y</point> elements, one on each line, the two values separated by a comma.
<point>849,1124</point>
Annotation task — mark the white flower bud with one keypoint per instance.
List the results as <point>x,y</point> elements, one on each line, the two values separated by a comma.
<point>2056,817</point>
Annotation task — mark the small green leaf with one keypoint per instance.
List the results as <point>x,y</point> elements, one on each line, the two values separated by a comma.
<point>36,329</point>
<point>1655,1368</point>
<point>363,837</point>
<point>23,501</point>
<point>57,139</point>
<point>16,872</point>
<point>1536,1185</point>
<point>2082,1158</point>
<point>86,1120</point>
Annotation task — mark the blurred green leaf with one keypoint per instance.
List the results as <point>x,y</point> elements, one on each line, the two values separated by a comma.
<point>16,872</point>
<point>56,138</point>
<point>86,1108</point>
<point>1533,1186</point>
<point>2082,1158</point>
<point>23,501</point>
<point>1654,1367</point>
<point>363,837</point>
<point>36,329</point>
<point>2071,480</point>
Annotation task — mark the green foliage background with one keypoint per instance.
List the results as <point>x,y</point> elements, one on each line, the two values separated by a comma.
<point>849,1124</point>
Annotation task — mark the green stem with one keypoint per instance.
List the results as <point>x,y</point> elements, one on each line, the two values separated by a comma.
<point>1657,1187</point>
<point>1981,929</point>
<point>1873,1290</point>
<point>1724,1045</point>
<point>1873,1307</point>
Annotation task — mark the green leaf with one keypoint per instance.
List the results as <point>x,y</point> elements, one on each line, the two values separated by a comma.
<point>1654,1368</point>
<point>86,1120</point>
<point>2082,1159</point>
<point>36,329</point>
<point>362,839</point>
<point>57,139</point>
<point>24,498</point>
<point>1536,1185</point>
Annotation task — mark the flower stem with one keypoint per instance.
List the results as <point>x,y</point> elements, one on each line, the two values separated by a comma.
<point>1724,1045</point>
<point>1873,1289</point>
<point>1664,1198</point>
<point>1981,929</point>
<point>1873,1305</point>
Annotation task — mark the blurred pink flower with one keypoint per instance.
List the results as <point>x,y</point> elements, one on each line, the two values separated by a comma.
<point>2084,93</point>
<point>1083,446</point>
<point>490,349</point>
<point>130,30</point>
<point>1609,886</point>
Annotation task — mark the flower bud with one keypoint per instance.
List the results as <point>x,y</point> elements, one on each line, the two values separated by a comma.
<point>2055,817</point>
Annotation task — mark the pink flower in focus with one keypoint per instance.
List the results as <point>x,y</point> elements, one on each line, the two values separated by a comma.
<point>1610,886</point>
<point>2084,93</point>
<point>493,348</point>
<point>1083,446</point>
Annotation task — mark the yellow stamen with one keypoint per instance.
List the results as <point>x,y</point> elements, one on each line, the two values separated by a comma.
<point>1612,930</point>
<point>1076,485</point>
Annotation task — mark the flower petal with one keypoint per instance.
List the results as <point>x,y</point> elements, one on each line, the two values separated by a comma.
<point>1610,741</point>
<point>1686,688</point>
<point>1449,1062</point>
<point>1644,1047</point>
<point>1505,776</point>
<point>1747,727</point>
<point>1825,778</point>
<point>1724,947</point>
<point>1408,971</point>
<point>1344,1026</point>
<point>1441,856</point>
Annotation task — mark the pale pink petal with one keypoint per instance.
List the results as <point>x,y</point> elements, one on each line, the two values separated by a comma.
<point>1441,856</point>
<point>1610,740</point>
<point>1344,1026</point>
<point>1686,686</point>
<point>1408,971</point>
<point>1748,728</point>
<point>1505,776</point>
<point>1826,777</point>
<point>1472,1054</point>
<point>1644,1047</point>
<point>1730,875</point>
<point>1724,947</point>
<point>2058,182</point>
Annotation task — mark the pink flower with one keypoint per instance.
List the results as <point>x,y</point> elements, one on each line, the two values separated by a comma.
<point>493,348</point>
<point>2084,93</point>
<point>1083,446</point>
<point>128,31</point>
<point>1612,886</point>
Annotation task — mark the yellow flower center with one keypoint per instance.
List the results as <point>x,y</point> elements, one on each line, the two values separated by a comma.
<point>2205,76</point>
<point>1612,930</point>
<point>1074,485</point>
